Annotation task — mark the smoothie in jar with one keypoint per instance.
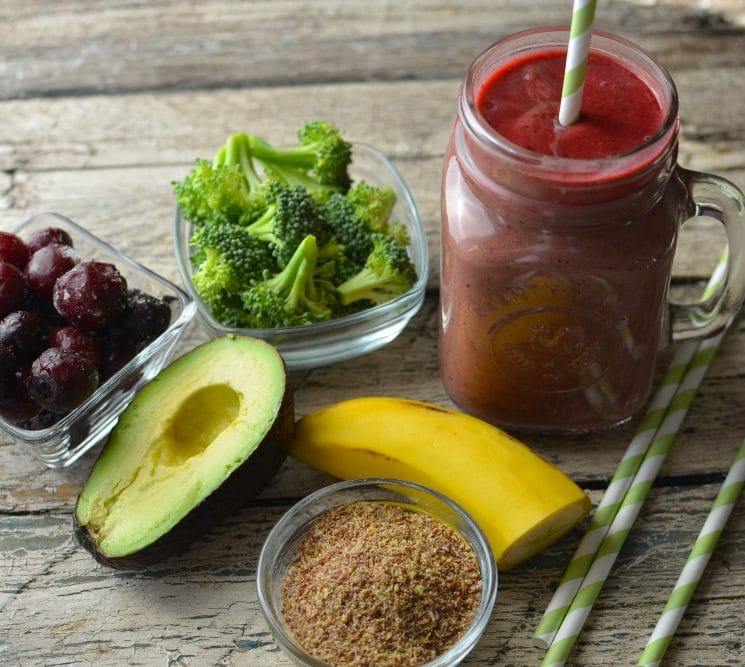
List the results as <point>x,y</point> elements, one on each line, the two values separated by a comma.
<point>557,242</point>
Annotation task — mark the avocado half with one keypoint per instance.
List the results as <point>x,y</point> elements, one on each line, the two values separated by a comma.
<point>199,440</point>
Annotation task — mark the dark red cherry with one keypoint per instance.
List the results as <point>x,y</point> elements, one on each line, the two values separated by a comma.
<point>61,380</point>
<point>90,295</point>
<point>25,333</point>
<point>14,288</point>
<point>45,266</point>
<point>73,339</point>
<point>8,369</point>
<point>144,318</point>
<point>46,236</point>
<point>19,406</point>
<point>13,250</point>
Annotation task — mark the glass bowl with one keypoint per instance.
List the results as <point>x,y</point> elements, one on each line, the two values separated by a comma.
<point>281,545</point>
<point>84,427</point>
<point>345,337</point>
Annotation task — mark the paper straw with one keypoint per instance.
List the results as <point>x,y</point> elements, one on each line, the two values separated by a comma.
<point>611,500</point>
<point>601,562</point>
<point>621,481</point>
<point>697,560</point>
<point>580,607</point>
<point>578,49</point>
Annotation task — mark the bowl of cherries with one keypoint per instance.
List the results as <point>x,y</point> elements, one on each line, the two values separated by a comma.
<point>82,328</point>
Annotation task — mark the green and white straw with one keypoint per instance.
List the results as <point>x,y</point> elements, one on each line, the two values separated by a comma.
<point>622,479</point>
<point>619,529</point>
<point>578,49</point>
<point>697,560</point>
<point>616,513</point>
<point>611,500</point>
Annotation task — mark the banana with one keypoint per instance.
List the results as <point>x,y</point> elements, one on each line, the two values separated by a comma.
<point>522,502</point>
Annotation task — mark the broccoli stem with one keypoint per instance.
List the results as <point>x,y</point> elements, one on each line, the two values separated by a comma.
<point>295,277</point>
<point>363,285</point>
<point>237,151</point>
<point>303,156</point>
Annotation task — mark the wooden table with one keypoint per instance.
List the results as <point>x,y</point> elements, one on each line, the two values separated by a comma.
<point>103,104</point>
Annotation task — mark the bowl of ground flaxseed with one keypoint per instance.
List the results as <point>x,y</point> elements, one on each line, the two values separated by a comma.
<point>376,572</point>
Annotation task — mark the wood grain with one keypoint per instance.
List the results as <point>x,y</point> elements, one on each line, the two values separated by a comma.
<point>103,104</point>
<point>74,48</point>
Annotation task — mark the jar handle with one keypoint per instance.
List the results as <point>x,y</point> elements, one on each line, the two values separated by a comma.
<point>714,197</point>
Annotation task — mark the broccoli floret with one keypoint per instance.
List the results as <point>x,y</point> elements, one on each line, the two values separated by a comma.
<point>213,194</point>
<point>374,205</point>
<point>228,189</point>
<point>227,259</point>
<point>290,215</point>
<point>334,264</point>
<point>348,228</point>
<point>319,163</point>
<point>293,297</point>
<point>387,273</point>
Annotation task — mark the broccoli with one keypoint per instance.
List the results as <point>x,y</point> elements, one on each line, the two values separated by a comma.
<point>228,189</point>
<point>210,194</point>
<point>374,205</point>
<point>293,297</point>
<point>354,217</point>
<point>348,228</point>
<point>387,273</point>
<point>319,163</point>
<point>290,215</point>
<point>227,258</point>
<point>281,237</point>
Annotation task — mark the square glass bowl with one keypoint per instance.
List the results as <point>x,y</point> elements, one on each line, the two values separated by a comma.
<point>345,337</point>
<point>281,546</point>
<point>84,427</point>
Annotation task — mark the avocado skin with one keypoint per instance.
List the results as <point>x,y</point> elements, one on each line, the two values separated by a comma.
<point>244,483</point>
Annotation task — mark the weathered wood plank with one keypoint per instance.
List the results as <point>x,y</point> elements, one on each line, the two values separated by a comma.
<point>407,120</point>
<point>202,607</point>
<point>77,47</point>
<point>132,209</point>
<point>408,368</point>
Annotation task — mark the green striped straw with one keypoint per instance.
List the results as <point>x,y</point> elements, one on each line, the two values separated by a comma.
<point>611,500</point>
<point>578,49</point>
<point>619,529</point>
<point>697,560</point>
<point>589,569</point>
<point>621,481</point>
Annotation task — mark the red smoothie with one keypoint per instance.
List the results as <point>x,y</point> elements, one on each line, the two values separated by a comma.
<point>521,102</point>
<point>556,259</point>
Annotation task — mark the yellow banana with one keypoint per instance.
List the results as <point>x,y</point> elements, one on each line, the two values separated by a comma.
<point>522,502</point>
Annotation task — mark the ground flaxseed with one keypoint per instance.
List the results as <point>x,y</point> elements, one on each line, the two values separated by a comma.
<point>376,584</point>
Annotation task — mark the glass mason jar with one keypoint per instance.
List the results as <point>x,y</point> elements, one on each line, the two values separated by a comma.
<point>555,271</point>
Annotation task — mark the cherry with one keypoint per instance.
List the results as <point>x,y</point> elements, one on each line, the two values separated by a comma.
<point>25,333</point>
<point>61,380</point>
<point>73,339</point>
<point>45,266</point>
<point>116,356</point>
<point>90,295</point>
<point>14,288</point>
<point>8,369</point>
<point>13,250</point>
<point>44,237</point>
<point>143,320</point>
<point>19,406</point>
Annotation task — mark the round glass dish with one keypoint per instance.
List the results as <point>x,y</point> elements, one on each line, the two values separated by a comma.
<point>281,546</point>
<point>346,337</point>
<point>84,427</point>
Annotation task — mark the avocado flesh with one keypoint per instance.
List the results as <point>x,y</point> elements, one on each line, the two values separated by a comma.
<point>182,436</point>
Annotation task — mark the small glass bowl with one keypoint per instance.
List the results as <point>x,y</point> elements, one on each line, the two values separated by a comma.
<point>345,337</point>
<point>84,427</point>
<point>281,546</point>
